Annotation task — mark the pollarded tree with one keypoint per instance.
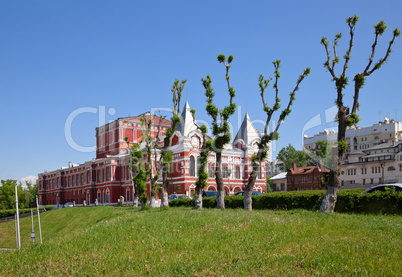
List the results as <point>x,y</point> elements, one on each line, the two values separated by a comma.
<point>348,116</point>
<point>136,169</point>
<point>166,154</point>
<point>267,137</point>
<point>202,173</point>
<point>220,125</point>
<point>140,179</point>
<point>151,143</point>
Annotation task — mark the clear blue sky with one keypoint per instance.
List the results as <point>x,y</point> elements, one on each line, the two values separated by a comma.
<point>59,56</point>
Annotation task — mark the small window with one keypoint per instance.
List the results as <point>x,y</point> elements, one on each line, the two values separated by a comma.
<point>198,164</point>
<point>192,166</point>
<point>211,171</point>
<point>224,171</point>
<point>237,172</point>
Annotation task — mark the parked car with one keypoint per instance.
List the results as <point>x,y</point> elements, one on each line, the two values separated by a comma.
<point>253,193</point>
<point>178,196</point>
<point>390,187</point>
<point>68,204</point>
<point>209,193</point>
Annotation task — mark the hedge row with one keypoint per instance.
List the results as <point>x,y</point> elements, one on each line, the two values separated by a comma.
<point>348,201</point>
<point>6,213</point>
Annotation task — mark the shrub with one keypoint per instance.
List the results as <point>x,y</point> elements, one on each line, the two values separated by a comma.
<point>183,202</point>
<point>7,213</point>
<point>348,201</point>
<point>376,202</point>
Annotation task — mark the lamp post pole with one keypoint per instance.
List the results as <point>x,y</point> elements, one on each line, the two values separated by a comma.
<point>229,172</point>
<point>18,218</point>
<point>40,230</point>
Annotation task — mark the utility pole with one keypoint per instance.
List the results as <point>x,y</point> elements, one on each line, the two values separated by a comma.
<point>40,230</point>
<point>18,218</point>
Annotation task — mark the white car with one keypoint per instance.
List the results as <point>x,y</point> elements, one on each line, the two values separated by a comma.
<point>389,187</point>
<point>68,204</point>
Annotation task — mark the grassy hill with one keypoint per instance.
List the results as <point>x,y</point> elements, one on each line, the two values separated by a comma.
<point>125,241</point>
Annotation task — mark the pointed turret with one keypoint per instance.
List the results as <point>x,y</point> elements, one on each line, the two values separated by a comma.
<point>247,132</point>
<point>186,124</point>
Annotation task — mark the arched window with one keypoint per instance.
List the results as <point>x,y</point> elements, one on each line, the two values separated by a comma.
<point>192,166</point>
<point>198,164</point>
<point>211,171</point>
<point>224,171</point>
<point>127,194</point>
<point>237,172</point>
<point>107,196</point>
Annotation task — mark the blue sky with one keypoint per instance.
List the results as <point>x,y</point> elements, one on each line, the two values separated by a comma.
<point>123,56</point>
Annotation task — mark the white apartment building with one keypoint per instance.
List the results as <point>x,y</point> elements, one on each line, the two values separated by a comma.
<point>380,164</point>
<point>360,138</point>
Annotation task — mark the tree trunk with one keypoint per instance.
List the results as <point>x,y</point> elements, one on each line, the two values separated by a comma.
<point>220,196</point>
<point>334,183</point>
<point>247,200</point>
<point>135,201</point>
<point>198,198</point>
<point>152,202</point>
<point>329,201</point>
<point>164,198</point>
<point>220,199</point>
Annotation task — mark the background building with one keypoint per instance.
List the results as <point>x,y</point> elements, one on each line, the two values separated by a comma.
<point>380,164</point>
<point>373,156</point>
<point>360,138</point>
<point>279,182</point>
<point>306,178</point>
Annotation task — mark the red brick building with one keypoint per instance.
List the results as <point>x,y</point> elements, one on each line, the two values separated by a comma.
<point>306,178</point>
<point>107,177</point>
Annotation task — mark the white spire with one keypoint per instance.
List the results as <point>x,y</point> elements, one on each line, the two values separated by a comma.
<point>186,124</point>
<point>247,132</point>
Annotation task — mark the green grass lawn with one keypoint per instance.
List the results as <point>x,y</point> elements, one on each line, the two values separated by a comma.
<point>127,242</point>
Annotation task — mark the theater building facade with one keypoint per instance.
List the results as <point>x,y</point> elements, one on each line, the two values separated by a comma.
<point>107,177</point>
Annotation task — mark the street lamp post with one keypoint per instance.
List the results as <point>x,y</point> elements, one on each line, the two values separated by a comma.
<point>229,172</point>
<point>17,218</point>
